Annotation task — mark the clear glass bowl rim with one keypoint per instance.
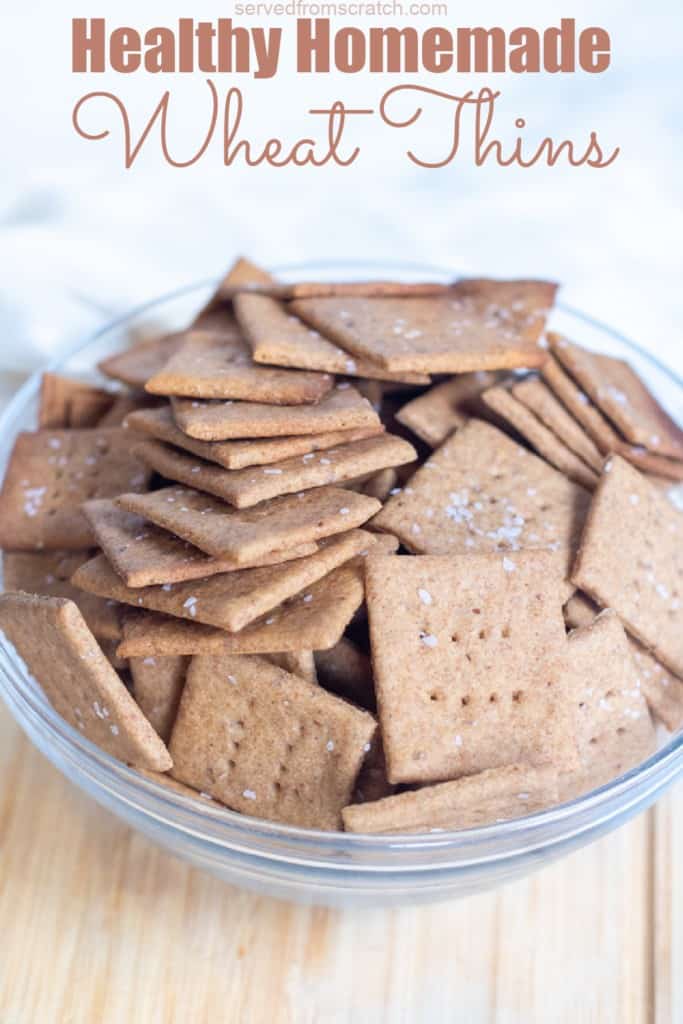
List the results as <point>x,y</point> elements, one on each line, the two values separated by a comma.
<point>222,828</point>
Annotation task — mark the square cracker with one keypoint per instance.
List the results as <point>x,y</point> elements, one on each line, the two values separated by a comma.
<point>497,794</point>
<point>445,407</point>
<point>49,573</point>
<point>50,473</point>
<point>157,687</point>
<point>246,487</point>
<point>219,365</point>
<point>612,723</point>
<point>78,680</point>
<point>342,409</point>
<point>468,655</point>
<point>135,365</point>
<point>159,424</point>
<point>537,396</point>
<point>478,325</point>
<point>231,600</point>
<point>143,554</point>
<point>278,338</point>
<point>547,444</point>
<point>631,560</point>
<point>247,534</point>
<point>314,620</point>
<point>621,395</point>
<point>65,402</point>
<point>483,492</point>
<point>268,743</point>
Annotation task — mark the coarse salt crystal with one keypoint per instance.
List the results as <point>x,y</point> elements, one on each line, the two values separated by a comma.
<point>508,565</point>
<point>429,640</point>
<point>424,595</point>
<point>249,794</point>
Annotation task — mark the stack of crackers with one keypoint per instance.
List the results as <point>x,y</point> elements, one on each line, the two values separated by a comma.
<point>375,556</point>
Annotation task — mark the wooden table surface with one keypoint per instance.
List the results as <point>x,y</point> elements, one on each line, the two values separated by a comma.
<point>100,926</point>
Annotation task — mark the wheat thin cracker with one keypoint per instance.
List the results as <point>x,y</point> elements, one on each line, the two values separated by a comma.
<point>231,600</point>
<point>535,394</point>
<point>483,492</point>
<point>342,409</point>
<point>314,620</point>
<point>612,723</point>
<point>49,573</point>
<point>248,534</point>
<point>491,796</point>
<point>468,654</point>
<point>621,395</point>
<point>143,554</point>
<point>136,364</point>
<point>267,743</point>
<point>219,365</point>
<point>631,560</point>
<point>50,473</point>
<point>478,325</point>
<point>547,444</point>
<point>246,487</point>
<point>157,687</point>
<point>159,424</point>
<point>434,415</point>
<point>77,679</point>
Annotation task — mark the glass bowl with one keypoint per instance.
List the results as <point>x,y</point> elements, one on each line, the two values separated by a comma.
<point>307,865</point>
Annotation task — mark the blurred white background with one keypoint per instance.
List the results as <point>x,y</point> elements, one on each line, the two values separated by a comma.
<point>81,238</point>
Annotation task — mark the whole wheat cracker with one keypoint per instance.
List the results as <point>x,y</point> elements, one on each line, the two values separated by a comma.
<point>662,690</point>
<point>65,402</point>
<point>494,795</point>
<point>342,409</point>
<point>347,671</point>
<point>439,411</point>
<point>49,573</point>
<point>547,444</point>
<point>535,394</point>
<point>50,473</point>
<point>77,679</point>
<point>483,492</point>
<point>622,396</point>
<point>143,554</point>
<point>631,560</point>
<point>299,663</point>
<point>468,655</point>
<point>136,364</point>
<point>248,534</point>
<point>315,621</point>
<point>219,365</point>
<point>229,601</point>
<point>268,743</point>
<point>159,424</point>
<point>157,687</point>
<point>613,727</point>
<point>246,487</point>
<point>478,325</point>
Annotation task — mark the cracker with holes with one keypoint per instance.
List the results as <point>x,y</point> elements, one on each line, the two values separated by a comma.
<point>483,492</point>
<point>477,325</point>
<point>219,365</point>
<point>434,415</point>
<point>535,394</point>
<point>157,687</point>
<point>344,408</point>
<point>631,560</point>
<point>135,365</point>
<point>613,727</point>
<point>159,424</point>
<point>622,396</point>
<point>547,444</point>
<point>248,534</point>
<point>229,600</point>
<point>268,743</point>
<point>246,487</point>
<point>313,620</point>
<point>494,795</point>
<point>143,554</point>
<point>49,573</point>
<point>469,657</point>
<point>77,679</point>
<point>50,473</point>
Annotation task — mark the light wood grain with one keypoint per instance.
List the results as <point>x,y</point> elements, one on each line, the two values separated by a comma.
<point>100,927</point>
